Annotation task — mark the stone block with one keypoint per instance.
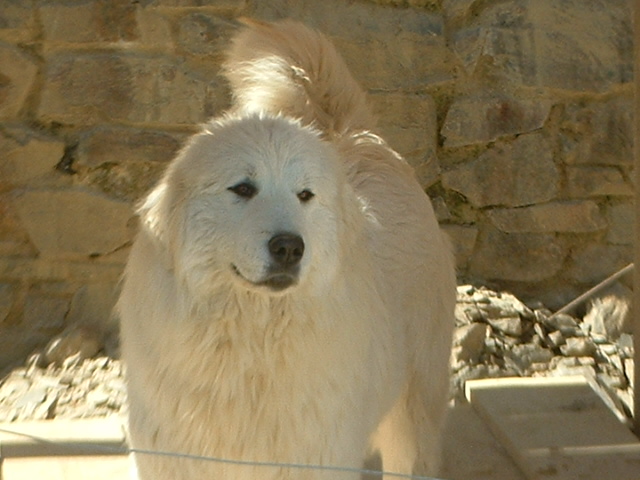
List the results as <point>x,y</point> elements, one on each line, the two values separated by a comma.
<point>455,11</point>
<point>397,62</point>
<point>87,21</point>
<point>621,219</point>
<point>73,222</point>
<point>201,33</point>
<point>25,162</point>
<point>155,28</point>
<point>516,174</point>
<point>523,257</point>
<point>408,122</point>
<point>592,181</point>
<point>593,263</point>
<point>463,239</point>
<point>568,216</point>
<point>123,181</point>
<point>86,88</point>
<point>14,241</point>
<point>6,300</point>
<point>17,76</point>
<point>90,88</point>
<point>598,132</point>
<point>44,313</point>
<point>17,21</point>
<point>92,305</point>
<point>123,162</point>
<point>222,6</point>
<point>107,144</point>
<point>483,118</point>
<point>566,45</point>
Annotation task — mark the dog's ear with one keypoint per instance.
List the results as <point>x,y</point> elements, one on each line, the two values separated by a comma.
<point>157,215</point>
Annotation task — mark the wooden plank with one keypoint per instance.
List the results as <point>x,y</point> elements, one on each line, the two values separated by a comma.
<point>557,428</point>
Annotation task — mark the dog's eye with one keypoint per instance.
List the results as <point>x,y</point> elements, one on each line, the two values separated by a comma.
<point>305,195</point>
<point>244,190</point>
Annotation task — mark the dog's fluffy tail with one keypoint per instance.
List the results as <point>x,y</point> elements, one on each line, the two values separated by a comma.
<point>288,68</point>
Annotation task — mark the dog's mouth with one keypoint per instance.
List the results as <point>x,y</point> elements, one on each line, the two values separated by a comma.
<point>276,281</point>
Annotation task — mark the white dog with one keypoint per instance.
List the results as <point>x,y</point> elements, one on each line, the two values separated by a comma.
<point>289,297</point>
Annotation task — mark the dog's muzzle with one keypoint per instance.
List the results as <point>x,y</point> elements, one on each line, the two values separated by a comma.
<point>285,251</point>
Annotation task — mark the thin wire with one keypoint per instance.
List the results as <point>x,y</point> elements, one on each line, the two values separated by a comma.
<point>92,448</point>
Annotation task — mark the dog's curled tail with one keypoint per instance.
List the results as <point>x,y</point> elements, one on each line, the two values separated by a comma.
<point>286,67</point>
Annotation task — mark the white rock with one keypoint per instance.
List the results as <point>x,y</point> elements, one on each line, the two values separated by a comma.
<point>578,347</point>
<point>468,342</point>
<point>511,326</point>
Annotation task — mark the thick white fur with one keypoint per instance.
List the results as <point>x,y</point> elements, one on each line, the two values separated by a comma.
<point>352,357</point>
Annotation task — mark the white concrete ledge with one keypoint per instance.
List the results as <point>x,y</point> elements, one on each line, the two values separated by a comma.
<point>557,428</point>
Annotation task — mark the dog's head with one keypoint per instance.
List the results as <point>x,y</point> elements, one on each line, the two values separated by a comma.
<point>255,203</point>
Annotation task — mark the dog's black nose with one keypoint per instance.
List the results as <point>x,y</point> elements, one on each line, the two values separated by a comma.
<point>286,249</point>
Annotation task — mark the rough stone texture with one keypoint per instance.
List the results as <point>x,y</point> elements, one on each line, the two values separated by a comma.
<point>92,88</point>
<point>89,21</point>
<point>6,300</point>
<point>17,76</point>
<point>574,216</point>
<point>517,256</point>
<point>621,220</point>
<point>597,181</point>
<point>599,133</point>
<point>593,263</point>
<point>408,122</point>
<point>204,34</point>
<point>116,144</point>
<point>463,239</point>
<point>520,173</point>
<point>482,118</point>
<point>17,21</point>
<point>568,45</point>
<point>516,115</point>
<point>64,223</point>
<point>45,311</point>
<point>25,163</point>
<point>92,305</point>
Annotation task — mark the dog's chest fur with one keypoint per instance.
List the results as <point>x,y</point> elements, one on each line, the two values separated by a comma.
<point>270,370</point>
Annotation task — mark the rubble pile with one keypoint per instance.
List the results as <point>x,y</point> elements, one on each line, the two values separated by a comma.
<point>498,336</point>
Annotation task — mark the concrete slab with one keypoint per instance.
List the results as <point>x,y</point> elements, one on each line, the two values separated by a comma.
<point>63,450</point>
<point>66,468</point>
<point>471,452</point>
<point>557,428</point>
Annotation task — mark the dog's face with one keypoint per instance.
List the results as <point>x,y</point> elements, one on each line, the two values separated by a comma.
<point>256,203</point>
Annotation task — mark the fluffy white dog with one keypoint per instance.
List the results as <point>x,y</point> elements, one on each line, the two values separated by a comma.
<point>289,297</point>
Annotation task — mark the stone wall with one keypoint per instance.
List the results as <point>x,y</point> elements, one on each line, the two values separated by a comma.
<point>516,115</point>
